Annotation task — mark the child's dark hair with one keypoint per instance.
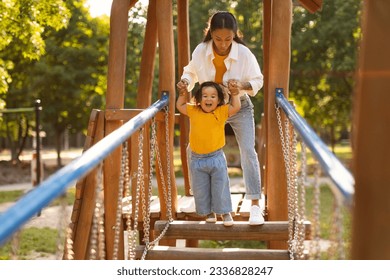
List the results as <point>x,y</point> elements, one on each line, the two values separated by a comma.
<point>198,94</point>
<point>223,20</point>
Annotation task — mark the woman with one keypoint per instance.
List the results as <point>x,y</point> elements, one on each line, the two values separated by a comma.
<point>223,57</point>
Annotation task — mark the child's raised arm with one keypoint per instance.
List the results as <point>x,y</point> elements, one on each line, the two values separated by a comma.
<point>235,102</point>
<point>181,102</point>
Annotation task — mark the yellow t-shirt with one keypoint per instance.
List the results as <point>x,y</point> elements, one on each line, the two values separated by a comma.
<point>207,130</point>
<point>220,67</point>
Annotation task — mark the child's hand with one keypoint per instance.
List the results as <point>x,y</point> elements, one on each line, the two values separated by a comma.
<point>182,85</point>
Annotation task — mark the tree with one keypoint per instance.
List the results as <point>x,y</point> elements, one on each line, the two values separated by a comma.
<point>135,41</point>
<point>324,53</point>
<point>249,17</point>
<point>70,79</point>
<point>22,24</point>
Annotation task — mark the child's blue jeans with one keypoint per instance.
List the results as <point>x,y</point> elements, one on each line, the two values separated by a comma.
<point>210,183</point>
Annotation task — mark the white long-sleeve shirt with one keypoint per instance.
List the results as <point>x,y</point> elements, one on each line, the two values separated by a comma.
<point>241,64</point>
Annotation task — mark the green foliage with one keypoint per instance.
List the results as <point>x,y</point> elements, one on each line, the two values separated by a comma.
<point>324,52</point>
<point>70,78</point>
<point>65,79</point>
<point>135,41</point>
<point>22,24</point>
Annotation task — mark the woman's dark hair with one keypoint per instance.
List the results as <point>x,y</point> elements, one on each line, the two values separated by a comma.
<point>198,94</point>
<point>223,20</point>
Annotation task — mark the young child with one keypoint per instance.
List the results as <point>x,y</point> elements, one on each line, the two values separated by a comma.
<point>208,166</point>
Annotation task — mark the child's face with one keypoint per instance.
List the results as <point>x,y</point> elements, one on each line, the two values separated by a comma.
<point>209,99</point>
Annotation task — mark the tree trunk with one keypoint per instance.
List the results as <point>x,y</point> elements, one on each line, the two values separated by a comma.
<point>58,146</point>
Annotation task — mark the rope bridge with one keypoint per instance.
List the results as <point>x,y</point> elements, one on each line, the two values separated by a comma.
<point>54,186</point>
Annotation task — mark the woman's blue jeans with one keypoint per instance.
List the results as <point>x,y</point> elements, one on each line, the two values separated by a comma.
<point>243,125</point>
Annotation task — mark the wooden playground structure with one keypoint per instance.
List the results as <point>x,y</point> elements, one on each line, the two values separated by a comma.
<point>371,202</point>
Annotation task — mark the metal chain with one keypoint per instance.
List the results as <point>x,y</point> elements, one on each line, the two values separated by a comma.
<point>315,248</point>
<point>336,250</point>
<point>68,250</point>
<point>296,204</point>
<point>61,227</point>
<point>146,211</point>
<point>166,190</point>
<point>139,187</point>
<point>302,200</point>
<point>296,192</point>
<point>285,149</point>
<point>118,217</point>
<point>97,241</point>
<point>298,218</point>
<point>128,213</point>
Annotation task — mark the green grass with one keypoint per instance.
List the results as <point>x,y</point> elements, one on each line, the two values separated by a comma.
<point>36,241</point>
<point>250,244</point>
<point>327,210</point>
<point>10,196</point>
<point>41,241</point>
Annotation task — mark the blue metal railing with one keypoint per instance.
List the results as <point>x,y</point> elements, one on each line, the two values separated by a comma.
<point>31,203</point>
<point>336,171</point>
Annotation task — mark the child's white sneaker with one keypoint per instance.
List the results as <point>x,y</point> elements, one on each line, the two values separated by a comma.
<point>211,218</point>
<point>227,220</point>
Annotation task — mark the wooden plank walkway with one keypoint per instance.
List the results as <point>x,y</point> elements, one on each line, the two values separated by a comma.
<point>174,253</point>
<point>186,207</point>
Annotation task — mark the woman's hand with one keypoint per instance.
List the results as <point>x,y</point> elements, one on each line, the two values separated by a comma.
<point>234,86</point>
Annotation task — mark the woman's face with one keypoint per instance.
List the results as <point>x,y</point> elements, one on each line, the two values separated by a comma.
<point>209,101</point>
<point>222,39</point>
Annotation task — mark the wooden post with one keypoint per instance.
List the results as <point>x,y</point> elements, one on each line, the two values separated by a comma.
<point>145,86</point>
<point>166,83</point>
<point>183,38</point>
<point>84,206</point>
<point>115,100</point>
<point>371,138</point>
<point>267,5</point>
<point>278,69</point>
<point>144,100</point>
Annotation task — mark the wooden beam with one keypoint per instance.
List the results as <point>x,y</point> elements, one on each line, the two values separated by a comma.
<point>166,83</point>
<point>173,253</point>
<point>145,83</point>
<point>84,206</point>
<point>278,69</point>
<point>311,5</point>
<point>371,137</point>
<point>183,40</point>
<point>115,100</point>
<point>217,231</point>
